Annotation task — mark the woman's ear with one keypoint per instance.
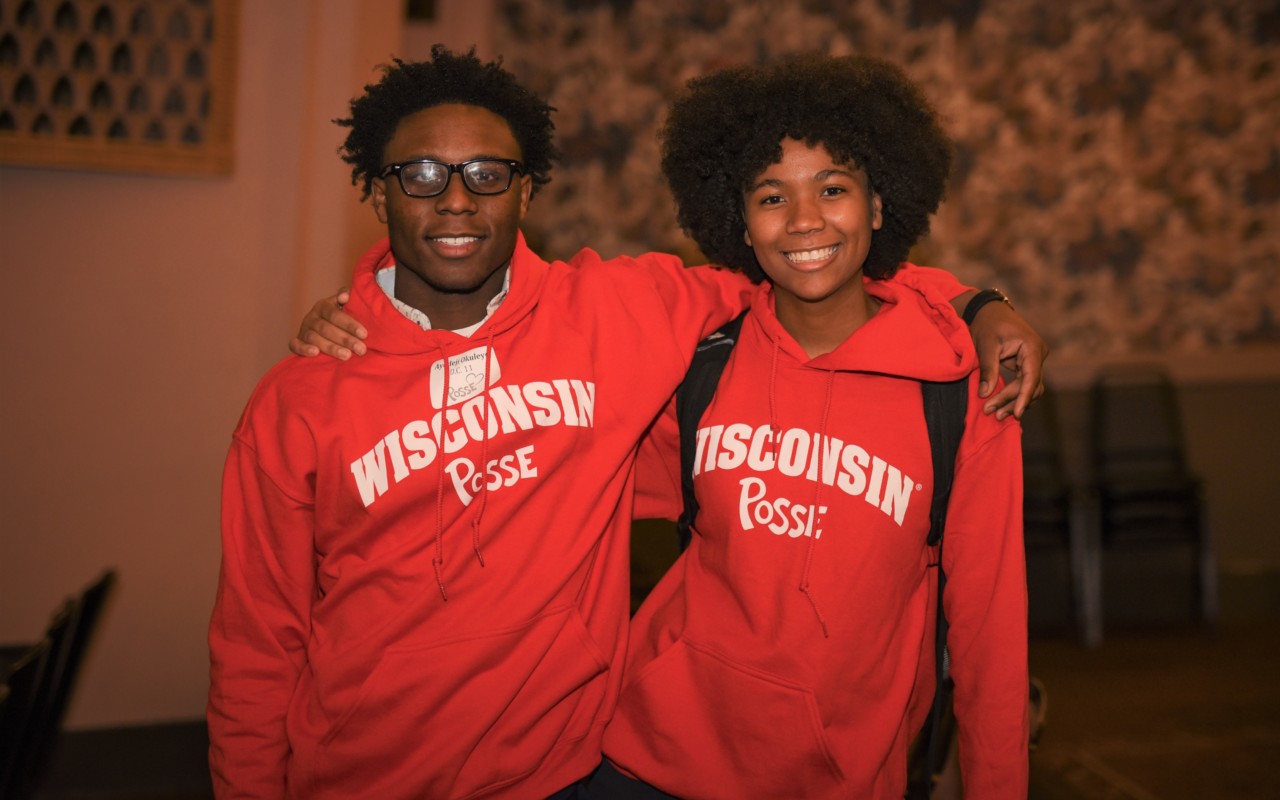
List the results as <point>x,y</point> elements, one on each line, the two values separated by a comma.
<point>877,217</point>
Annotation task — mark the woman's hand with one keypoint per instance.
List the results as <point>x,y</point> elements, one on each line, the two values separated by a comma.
<point>328,329</point>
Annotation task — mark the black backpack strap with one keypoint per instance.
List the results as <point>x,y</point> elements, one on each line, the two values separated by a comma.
<point>692,398</point>
<point>945,405</point>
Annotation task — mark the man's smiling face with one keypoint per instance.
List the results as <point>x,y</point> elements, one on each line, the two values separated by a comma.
<point>451,250</point>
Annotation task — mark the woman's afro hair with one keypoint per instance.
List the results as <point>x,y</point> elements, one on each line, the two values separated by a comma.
<point>729,126</point>
<point>409,87</point>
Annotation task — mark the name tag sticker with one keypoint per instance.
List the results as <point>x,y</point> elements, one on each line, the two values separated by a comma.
<point>466,376</point>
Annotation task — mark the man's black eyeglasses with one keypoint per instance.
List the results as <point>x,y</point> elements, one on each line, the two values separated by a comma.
<point>429,178</point>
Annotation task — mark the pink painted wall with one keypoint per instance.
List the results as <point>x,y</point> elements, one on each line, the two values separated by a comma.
<point>139,312</point>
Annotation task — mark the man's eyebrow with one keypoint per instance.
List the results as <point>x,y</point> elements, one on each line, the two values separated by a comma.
<point>476,157</point>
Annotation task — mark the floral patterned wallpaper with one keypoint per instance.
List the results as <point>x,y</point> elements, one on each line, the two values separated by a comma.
<point>1118,161</point>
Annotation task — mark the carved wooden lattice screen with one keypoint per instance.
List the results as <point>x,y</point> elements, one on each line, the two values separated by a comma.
<point>130,85</point>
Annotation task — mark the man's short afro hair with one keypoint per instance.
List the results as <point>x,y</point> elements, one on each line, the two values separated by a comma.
<point>409,87</point>
<point>729,126</point>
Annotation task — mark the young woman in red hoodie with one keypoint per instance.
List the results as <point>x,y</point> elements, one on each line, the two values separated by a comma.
<point>789,652</point>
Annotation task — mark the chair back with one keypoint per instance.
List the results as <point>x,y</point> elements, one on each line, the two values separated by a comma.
<point>45,704</point>
<point>1137,427</point>
<point>85,612</point>
<point>22,679</point>
<point>1046,491</point>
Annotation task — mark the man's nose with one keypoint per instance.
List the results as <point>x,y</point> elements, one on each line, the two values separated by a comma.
<point>456,197</point>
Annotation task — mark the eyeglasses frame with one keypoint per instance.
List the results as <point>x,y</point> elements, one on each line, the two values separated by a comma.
<point>515,166</point>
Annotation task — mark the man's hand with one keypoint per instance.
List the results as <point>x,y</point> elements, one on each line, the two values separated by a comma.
<point>1005,340</point>
<point>328,329</point>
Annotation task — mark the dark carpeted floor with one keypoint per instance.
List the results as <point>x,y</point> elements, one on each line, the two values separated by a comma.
<point>1169,715</point>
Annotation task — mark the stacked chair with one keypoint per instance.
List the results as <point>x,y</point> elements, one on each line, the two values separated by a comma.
<point>36,682</point>
<point>1148,496</point>
<point>1140,496</point>
<point>1060,516</point>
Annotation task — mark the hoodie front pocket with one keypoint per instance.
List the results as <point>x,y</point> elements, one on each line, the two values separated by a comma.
<point>455,717</point>
<point>719,728</point>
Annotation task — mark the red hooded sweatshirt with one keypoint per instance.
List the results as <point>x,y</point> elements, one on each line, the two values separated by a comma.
<point>424,585</point>
<point>789,651</point>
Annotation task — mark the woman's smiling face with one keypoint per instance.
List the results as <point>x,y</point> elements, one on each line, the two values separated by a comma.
<point>810,220</point>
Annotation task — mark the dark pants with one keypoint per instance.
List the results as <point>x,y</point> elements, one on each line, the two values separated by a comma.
<point>574,791</point>
<point>607,783</point>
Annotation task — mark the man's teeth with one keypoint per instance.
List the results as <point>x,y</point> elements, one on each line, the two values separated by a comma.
<point>457,241</point>
<point>802,256</point>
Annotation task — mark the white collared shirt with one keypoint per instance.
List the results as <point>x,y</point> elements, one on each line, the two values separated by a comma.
<point>386,278</point>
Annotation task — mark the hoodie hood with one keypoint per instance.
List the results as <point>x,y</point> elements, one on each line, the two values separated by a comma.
<point>893,342</point>
<point>389,330</point>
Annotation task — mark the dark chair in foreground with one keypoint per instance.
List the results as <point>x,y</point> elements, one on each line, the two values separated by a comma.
<point>20,675</point>
<point>66,639</point>
<point>1148,496</point>
<point>1061,516</point>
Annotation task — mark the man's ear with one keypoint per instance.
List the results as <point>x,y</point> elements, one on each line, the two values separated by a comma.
<point>378,195</point>
<point>526,193</point>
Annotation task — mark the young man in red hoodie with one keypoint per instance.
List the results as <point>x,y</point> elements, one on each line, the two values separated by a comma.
<point>424,580</point>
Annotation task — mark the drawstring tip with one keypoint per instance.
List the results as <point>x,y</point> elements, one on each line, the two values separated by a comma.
<point>804,589</point>
<point>475,535</point>
<point>438,563</point>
